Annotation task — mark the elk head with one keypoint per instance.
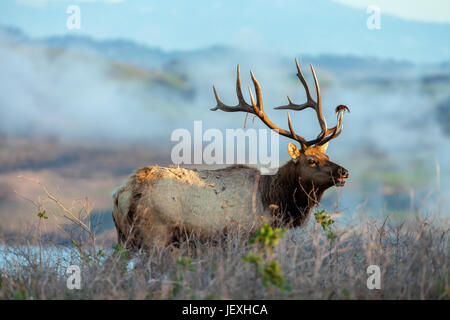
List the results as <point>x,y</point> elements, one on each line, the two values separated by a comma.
<point>310,163</point>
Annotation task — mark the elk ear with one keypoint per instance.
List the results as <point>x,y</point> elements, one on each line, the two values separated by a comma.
<point>323,148</point>
<point>293,150</point>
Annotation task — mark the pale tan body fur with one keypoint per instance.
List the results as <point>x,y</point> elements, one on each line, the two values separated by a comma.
<point>207,202</point>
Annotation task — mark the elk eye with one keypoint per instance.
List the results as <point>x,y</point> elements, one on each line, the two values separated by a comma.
<point>312,161</point>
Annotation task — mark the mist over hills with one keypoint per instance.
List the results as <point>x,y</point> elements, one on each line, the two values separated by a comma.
<point>83,79</point>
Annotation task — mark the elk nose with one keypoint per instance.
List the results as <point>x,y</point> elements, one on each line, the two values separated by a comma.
<point>343,172</point>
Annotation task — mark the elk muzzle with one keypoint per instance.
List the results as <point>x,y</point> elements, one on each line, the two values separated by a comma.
<point>339,177</point>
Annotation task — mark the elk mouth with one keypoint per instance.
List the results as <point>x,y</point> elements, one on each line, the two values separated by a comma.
<point>339,181</point>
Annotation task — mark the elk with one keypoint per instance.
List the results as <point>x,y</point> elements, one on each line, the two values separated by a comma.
<point>156,205</point>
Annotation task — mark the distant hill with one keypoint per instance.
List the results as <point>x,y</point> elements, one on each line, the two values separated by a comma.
<point>119,50</point>
<point>151,58</point>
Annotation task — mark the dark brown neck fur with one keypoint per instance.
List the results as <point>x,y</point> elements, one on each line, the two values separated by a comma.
<point>295,198</point>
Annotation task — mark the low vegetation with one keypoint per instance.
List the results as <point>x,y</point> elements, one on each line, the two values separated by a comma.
<point>322,260</point>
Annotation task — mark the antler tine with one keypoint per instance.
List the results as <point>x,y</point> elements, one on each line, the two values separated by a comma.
<point>259,102</point>
<point>241,106</point>
<point>318,106</point>
<point>239,90</point>
<point>290,124</point>
<point>310,103</point>
<point>302,142</point>
<point>337,130</point>
<point>303,81</point>
<point>251,98</point>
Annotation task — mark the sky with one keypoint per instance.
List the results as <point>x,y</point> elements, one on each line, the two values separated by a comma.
<point>286,26</point>
<point>418,10</point>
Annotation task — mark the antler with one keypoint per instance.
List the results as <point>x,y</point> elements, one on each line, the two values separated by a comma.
<point>310,103</point>
<point>257,109</point>
<point>326,134</point>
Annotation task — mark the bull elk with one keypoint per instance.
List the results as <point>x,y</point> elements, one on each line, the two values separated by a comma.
<point>156,205</point>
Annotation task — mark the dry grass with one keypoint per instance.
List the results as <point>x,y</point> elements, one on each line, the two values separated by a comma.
<point>413,257</point>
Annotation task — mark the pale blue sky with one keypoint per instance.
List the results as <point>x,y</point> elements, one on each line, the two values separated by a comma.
<point>284,26</point>
<point>419,10</point>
